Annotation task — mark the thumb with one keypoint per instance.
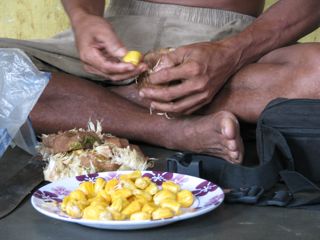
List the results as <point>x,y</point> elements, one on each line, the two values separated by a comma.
<point>118,51</point>
<point>167,60</point>
<point>113,44</point>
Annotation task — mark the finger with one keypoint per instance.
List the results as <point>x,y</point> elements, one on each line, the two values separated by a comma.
<point>196,108</point>
<point>193,102</point>
<point>92,70</point>
<point>155,59</point>
<point>95,58</point>
<point>124,76</point>
<point>113,77</point>
<point>186,70</point>
<point>109,40</point>
<point>173,92</point>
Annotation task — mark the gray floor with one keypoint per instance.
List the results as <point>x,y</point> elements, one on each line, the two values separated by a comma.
<point>226,222</point>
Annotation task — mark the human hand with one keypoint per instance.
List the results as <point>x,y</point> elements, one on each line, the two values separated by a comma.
<point>189,77</point>
<point>100,49</point>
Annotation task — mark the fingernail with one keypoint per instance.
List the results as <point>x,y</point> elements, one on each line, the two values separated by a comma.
<point>120,52</point>
<point>141,94</point>
<point>142,68</point>
<point>131,67</point>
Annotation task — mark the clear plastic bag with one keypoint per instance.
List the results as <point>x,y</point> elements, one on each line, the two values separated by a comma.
<point>21,84</point>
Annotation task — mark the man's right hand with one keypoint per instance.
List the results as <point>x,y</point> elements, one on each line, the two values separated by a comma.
<point>101,50</point>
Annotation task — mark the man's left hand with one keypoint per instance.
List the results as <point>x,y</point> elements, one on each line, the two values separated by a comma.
<point>190,77</point>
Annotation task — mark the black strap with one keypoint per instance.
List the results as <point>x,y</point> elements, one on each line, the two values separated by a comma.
<point>250,195</point>
<point>303,190</point>
<point>225,174</point>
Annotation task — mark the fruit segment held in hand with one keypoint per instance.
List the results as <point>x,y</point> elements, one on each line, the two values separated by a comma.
<point>133,57</point>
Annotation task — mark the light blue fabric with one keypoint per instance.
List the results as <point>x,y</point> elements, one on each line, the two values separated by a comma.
<point>21,85</point>
<point>5,140</point>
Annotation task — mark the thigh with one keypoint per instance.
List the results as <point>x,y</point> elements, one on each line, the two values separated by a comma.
<point>292,68</point>
<point>288,72</point>
<point>300,54</point>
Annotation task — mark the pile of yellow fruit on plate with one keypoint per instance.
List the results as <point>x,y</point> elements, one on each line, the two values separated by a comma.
<point>129,197</point>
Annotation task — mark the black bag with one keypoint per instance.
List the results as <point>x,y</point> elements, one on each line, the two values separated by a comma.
<point>288,149</point>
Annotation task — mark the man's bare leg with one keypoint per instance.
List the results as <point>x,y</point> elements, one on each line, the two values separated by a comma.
<point>70,102</point>
<point>290,72</point>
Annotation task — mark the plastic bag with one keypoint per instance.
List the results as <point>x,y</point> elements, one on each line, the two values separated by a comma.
<point>21,84</point>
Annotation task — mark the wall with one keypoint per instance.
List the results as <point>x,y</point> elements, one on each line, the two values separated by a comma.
<point>32,19</point>
<point>27,19</point>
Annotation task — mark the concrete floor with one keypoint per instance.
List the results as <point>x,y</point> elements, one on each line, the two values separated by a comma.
<point>228,221</point>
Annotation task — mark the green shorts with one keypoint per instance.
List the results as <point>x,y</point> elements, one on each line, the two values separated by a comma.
<point>142,26</point>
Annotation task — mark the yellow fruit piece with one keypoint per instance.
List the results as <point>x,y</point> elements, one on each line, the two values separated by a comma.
<point>171,186</point>
<point>171,204</point>
<point>142,194</point>
<point>96,213</point>
<point>163,195</point>
<point>133,207</point>
<point>105,196</point>
<point>141,199</point>
<point>78,195</point>
<point>140,216</point>
<point>64,203</point>
<point>87,188</point>
<point>148,208</point>
<point>73,209</point>
<point>117,204</point>
<point>99,185</point>
<point>111,185</point>
<point>152,189</point>
<point>185,198</point>
<point>133,57</point>
<point>142,183</point>
<point>117,215</point>
<point>121,193</point>
<point>127,183</point>
<point>162,213</point>
<point>98,201</point>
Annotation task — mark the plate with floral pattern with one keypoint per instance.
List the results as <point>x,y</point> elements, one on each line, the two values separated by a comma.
<point>207,197</point>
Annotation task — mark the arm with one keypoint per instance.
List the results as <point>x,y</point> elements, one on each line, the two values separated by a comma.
<point>282,24</point>
<point>76,8</point>
<point>99,47</point>
<point>206,67</point>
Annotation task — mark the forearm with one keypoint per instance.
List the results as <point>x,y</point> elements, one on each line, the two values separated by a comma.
<point>77,8</point>
<point>284,23</point>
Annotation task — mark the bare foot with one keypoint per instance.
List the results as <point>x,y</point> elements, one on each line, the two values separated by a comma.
<point>216,134</point>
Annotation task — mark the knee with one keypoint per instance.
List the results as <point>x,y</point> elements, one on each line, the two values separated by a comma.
<point>304,55</point>
<point>303,61</point>
<point>309,57</point>
<point>308,68</point>
<point>305,70</point>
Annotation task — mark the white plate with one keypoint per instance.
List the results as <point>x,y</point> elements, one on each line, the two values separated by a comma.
<point>208,196</point>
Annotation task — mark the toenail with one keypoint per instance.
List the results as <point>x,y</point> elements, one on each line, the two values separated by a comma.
<point>231,146</point>
<point>234,155</point>
<point>224,131</point>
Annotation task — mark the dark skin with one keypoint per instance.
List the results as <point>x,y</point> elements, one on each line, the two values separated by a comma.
<point>198,65</point>
<point>225,80</point>
<point>248,7</point>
